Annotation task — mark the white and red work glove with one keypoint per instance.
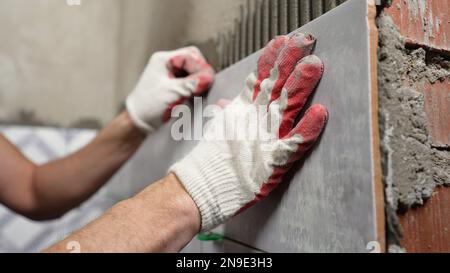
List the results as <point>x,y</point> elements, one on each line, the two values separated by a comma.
<point>170,78</point>
<point>223,176</point>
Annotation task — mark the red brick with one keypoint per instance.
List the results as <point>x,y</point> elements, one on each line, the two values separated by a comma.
<point>437,108</point>
<point>427,229</point>
<point>427,26</point>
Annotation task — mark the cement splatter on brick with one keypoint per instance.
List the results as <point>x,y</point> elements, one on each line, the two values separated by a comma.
<point>412,167</point>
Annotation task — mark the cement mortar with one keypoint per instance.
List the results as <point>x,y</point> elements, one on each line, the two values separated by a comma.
<point>412,167</point>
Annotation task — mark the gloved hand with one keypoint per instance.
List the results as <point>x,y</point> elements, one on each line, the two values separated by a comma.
<point>169,79</point>
<point>223,176</point>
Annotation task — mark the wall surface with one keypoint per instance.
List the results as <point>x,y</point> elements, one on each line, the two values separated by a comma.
<point>152,25</point>
<point>414,87</point>
<point>74,65</point>
<point>58,63</point>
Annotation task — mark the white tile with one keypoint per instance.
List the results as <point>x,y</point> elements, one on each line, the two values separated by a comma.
<point>21,231</point>
<point>15,133</point>
<point>35,154</point>
<point>41,145</point>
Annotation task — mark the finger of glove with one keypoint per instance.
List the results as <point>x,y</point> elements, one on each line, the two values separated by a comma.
<point>290,149</point>
<point>298,88</point>
<point>194,71</point>
<point>190,50</point>
<point>298,46</point>
<point>189,60</point>
<point>303,137</point>
<point>179,93</point>
<point>267,61</point>
<point>203,80</point>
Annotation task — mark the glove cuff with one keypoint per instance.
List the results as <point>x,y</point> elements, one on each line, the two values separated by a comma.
<point>209,180</point>
<point>138,122</point>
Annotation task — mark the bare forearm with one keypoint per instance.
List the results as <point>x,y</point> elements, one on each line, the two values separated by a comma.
<point>162,218</point>
<point>63,184</point>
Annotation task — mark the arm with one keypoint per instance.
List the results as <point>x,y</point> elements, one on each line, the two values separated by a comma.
<point>163,218</point>
<point>221,177</point>
<point>48,191</point>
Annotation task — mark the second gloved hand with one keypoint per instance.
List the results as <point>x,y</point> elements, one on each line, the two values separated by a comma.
<point>169,79</point>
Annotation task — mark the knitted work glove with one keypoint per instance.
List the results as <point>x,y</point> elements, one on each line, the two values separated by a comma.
<point>169,79</point>
<point>224,175</point>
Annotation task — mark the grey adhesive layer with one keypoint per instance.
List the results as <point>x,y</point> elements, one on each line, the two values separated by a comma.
<point>305,11</point>
<point>237,39</point>
<point>274,18</point>
<point>258,24</point>
<point>293,15</point>
<point>244,32</point>
<point>316,8</point>
<point>328,204</point>
<point>250,27</point>
<point>330,4</point>
<point>283,15</point>
<point>230,49</point>
<point>266,21</point>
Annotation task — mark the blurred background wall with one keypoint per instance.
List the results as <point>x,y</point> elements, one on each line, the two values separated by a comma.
<point>73,66</point>
<point>58,63</point>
